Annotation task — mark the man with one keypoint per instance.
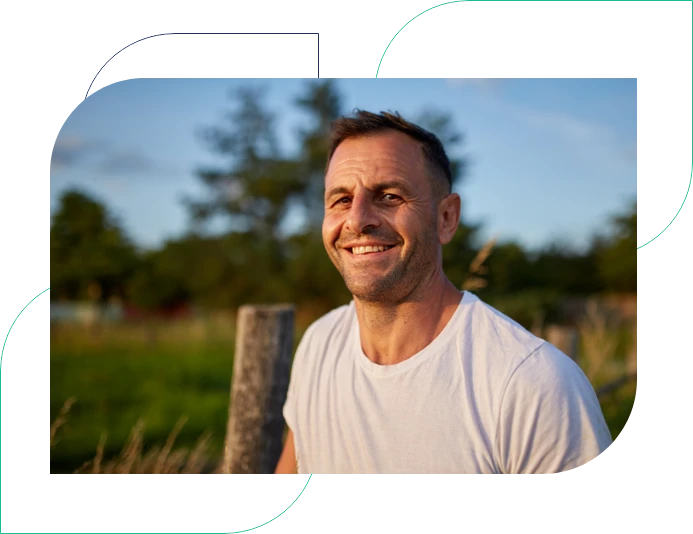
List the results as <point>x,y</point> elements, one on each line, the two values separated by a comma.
<point>414,376</point>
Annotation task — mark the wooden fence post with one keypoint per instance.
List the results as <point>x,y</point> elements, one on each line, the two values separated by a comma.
<point>564,338</point>
<point>264,342</point>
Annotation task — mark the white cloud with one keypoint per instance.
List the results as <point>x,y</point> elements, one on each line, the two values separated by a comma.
<point>125,161</point>
<point>591,140</point>
<point>71,150</point>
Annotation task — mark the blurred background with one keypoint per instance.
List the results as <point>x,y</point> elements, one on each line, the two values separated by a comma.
<point>174,202</point>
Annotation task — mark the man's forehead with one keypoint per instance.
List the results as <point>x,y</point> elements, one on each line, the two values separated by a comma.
<point>372,145</point>
<point>386,152</point>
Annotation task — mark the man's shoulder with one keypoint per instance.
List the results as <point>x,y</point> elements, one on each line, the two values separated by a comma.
<point>532,362</point>
<point>334,324</point>
<point>498,334</point>
<point>549,372</point>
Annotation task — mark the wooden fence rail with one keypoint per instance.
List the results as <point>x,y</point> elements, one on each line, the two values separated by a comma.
<point>264,343</point>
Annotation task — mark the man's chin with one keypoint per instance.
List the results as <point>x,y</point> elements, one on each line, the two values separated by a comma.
<point>372,292</point>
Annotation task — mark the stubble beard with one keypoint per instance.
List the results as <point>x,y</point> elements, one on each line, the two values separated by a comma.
<point>395,285</point>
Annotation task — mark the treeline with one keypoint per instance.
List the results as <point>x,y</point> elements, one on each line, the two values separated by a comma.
<point>265,256</point>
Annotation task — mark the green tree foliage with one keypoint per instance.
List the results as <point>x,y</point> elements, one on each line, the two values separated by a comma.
<point>257,260</point>
<point>569,272</point>
<point>441,125</point>
<point>321,103</point>
<point>255,190</point>
<point>259,186</point>
<point>616,256</point>
<point>509,268</point>
<point>88,250</point>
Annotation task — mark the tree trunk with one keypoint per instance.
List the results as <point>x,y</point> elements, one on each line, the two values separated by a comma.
<point>264,342</point>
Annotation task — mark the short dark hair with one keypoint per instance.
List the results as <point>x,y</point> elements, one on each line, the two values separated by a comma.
<point>364,123</point>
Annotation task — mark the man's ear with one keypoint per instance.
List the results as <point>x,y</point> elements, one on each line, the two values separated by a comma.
<point>448,217</point>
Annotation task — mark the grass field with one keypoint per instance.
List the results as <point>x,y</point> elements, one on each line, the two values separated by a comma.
<point>124,373</point>
<point>157,372</point>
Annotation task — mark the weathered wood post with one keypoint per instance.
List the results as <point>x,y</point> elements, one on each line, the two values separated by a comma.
<point>564,338</point>
<point>264,342</point>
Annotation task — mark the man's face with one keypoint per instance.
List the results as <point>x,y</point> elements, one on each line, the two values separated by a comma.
<point>380,224</point>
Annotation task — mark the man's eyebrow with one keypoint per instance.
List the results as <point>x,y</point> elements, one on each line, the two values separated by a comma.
<point>337,190</point>
<point>380,186</point>
<point>392,184</point>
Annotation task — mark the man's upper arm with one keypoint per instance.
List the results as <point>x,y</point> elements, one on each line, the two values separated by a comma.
<point>287,460</point>
<point>550,419</point>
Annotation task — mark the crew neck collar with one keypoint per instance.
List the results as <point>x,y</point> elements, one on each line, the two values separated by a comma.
<point>417,359</point>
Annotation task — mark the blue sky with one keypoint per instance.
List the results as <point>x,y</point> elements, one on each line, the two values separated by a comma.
<point>549,159</point>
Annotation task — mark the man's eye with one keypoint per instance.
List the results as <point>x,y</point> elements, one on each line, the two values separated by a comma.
<point>343,200</point>
<point>389,197</point>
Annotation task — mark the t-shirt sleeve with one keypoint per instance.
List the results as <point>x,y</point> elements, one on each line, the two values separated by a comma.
<point>290,405</point>
<point>289,409</point>
<point>550,419</point>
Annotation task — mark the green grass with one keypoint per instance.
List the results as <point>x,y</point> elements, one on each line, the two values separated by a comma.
<point>150,370</point>
<point>160,372</point>
<point>617,408</point>
<point>119,379</point>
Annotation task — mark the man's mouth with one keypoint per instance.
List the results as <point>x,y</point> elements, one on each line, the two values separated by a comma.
<point>357,251</point>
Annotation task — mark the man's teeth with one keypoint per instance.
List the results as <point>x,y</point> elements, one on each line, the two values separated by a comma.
<point>366,250</point>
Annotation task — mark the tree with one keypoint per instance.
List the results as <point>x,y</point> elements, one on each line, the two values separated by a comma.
<point>509,268</point>
<point>442,126</point>
<point>255,189</point>
<point>558,267</point>
<point>90,253</point>
<point>322,104</point>
<point>159,281</point>
<point>616,255</point>
<point>259,187</point>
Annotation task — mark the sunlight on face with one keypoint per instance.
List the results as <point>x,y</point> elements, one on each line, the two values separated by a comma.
<point>380,225</point>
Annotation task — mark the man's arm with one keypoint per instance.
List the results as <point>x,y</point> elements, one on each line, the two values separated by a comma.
<point>287,461</point>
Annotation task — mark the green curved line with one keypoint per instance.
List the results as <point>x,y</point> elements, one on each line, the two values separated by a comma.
<point>246,530</point>
<point>15,320</point>
<point>677,213</point>
<point>427,10</point>
<point>442,4</point>
<point>388,45</point>
<point>234,532</point>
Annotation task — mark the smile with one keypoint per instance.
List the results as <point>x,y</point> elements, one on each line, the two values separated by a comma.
<point>369,249</point>
<point>368,253</point>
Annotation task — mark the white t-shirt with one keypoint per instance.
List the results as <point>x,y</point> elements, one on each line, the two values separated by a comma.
<point>485,396</point>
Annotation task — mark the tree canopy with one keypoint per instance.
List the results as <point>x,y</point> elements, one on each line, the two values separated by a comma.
<point>90,254</point>
<point>257,190</point>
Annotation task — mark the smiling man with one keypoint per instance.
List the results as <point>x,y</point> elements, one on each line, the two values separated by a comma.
<point>414,376</point>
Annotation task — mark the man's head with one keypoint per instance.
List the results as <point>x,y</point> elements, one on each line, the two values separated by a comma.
<point>388,206</point>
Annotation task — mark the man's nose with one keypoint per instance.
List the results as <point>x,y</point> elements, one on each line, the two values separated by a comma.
<point>362,215</point>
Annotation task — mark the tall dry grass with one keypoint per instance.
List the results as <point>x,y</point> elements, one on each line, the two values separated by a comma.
<point>600,340</point>
<point>477,269</point>
<point>61,419</point>
<point>135,459</point>
<point>598,343</point>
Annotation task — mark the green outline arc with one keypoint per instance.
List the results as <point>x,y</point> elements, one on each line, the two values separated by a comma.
<point>677,213</point>
<point>2,352</point>
<point>15,320</point>
<point>443,4</point>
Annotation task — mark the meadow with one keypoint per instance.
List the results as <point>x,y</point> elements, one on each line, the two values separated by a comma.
<point>153,395</point>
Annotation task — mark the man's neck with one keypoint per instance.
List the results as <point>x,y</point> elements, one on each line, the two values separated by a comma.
<point>392,333</point>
